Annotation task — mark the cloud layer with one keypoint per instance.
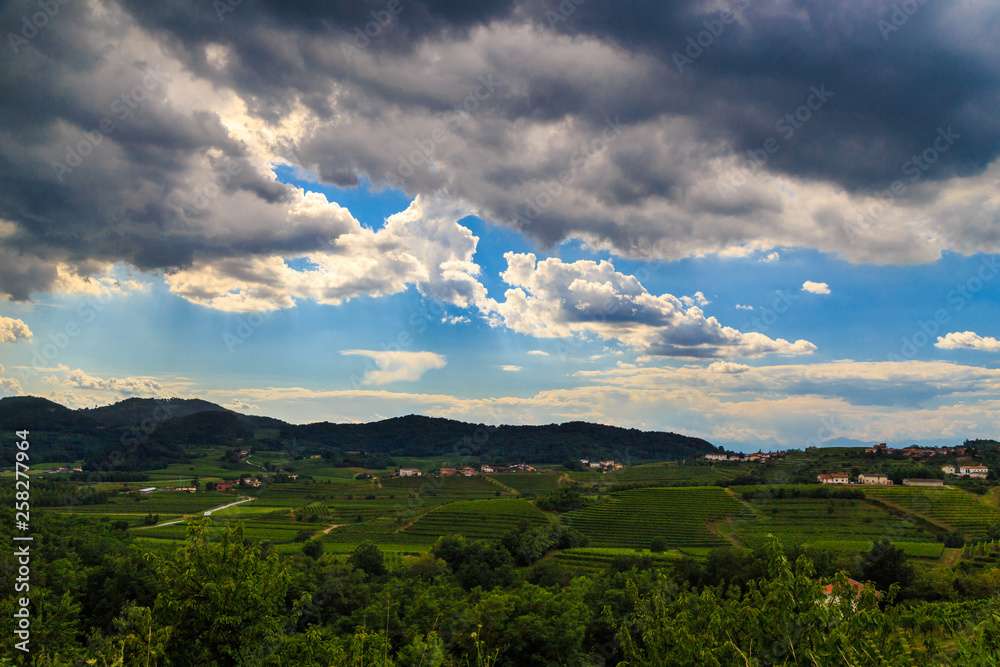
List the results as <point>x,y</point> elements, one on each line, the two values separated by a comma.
<point>150,137</point>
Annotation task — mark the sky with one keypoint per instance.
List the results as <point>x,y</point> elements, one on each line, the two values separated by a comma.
<point>767,224</point>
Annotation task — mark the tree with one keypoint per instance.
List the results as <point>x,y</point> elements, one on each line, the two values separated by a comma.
<point>223,599</point>
<point>784,619</point>
<point>313,549</point>
<point>369,559</point>
<point>658,545</point>
<point>885,565</point>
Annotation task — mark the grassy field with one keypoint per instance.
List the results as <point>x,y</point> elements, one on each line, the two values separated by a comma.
<point>677,502</point>
<point>678,515</point>
<point>827,520</point>
<point>951,509</point>
<point>595,559</point>
<point>480,519</point>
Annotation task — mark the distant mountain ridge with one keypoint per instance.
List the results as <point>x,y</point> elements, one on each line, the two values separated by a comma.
<point>174,423</point>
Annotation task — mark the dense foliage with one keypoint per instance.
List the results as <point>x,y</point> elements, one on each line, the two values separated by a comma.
<point>97,599</point>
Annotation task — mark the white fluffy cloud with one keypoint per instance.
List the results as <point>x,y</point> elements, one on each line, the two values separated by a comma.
<point>128,386</point>
<point>396,366</point>
<point>815,288</point>
<point>12,331</point>
<point>10,387</point>
<point>555,299</point>
<point>967,340</point>
<point>510,368</point>
<point>422,246</point>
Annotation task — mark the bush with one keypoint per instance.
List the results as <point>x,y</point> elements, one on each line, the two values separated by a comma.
<point>658,545</point>
<point>313,549</point>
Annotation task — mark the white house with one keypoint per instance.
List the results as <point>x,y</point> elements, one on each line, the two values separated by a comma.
<point>874,478</point>
<point>835,478</point>
<point>716,457</point>
<point>485,469</point>
<point>409,472</point>
<point>974,471</point>
<point>948,470</point>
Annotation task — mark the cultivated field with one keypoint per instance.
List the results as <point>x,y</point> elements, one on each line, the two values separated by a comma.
<point>678,515</point>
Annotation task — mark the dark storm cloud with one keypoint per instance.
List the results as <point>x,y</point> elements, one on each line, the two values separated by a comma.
<point>846,101</point>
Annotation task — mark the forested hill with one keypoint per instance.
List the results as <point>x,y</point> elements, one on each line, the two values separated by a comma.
<point>178,423</point>
<point>415,435</point>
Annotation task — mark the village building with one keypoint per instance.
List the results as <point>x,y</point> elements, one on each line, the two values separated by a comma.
<point>409,472</point>
<point>716,457</point>
<point>468,472</point>
<point>978,472</point>
<point>485,469</point>
<point>147,490</point>
<point>447,472</point>
<point>948,470</point>
<point>923,482</point>
<point>835,478</point>
<point>874,478</point>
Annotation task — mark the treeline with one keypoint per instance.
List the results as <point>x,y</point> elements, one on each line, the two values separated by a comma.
<point>358,460</point>
<point>223,600</point>
<point>416,436</point>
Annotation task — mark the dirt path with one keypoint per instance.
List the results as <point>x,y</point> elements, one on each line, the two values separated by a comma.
<point>949,559</point>
<point>190,516</point>
<point>331,527</point>
<point>216,509</point>
<point>713,527</point>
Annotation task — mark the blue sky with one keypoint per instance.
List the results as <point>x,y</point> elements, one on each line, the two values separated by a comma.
<point>490,217</point>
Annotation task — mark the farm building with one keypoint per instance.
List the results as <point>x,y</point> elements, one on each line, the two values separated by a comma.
<point>948,470</point>
<point>468,472</point>
<point>716,457</point>
<point>979,472</point>
<point>486,469</point>
<point>148,490</point>
<point>409,472</point>
<point>835,478</point>
<point>874,478</point>
<point>923,482</point>
<point>446,472</point>
<point>880,448</point>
